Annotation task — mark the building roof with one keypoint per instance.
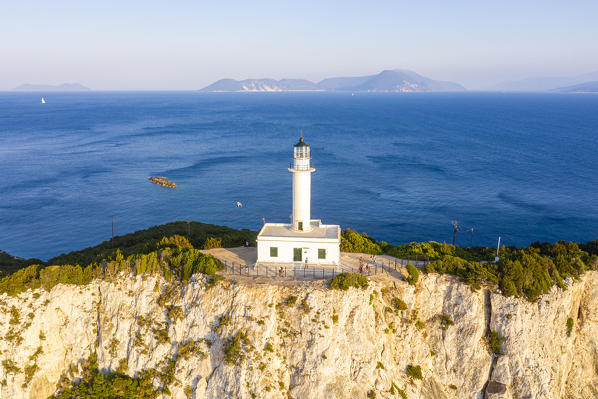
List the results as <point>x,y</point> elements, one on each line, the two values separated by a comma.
<point>285,230</point>
<point>301,143</point>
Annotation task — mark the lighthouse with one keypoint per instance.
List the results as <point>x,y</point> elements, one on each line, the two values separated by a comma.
<point>301,170</point>
<point>304,240</point>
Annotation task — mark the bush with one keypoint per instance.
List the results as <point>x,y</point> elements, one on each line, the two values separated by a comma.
<point>414,372</point>
<point>233,350</point>
<point>446,321</point>
<point>212,242</point>
<point>569,326</point>
<point>96,384</point>
<point>495,341</point>
<point>346,280</point>
<point>413,274</point>
<point>399,304</point>
<point>351,241</point>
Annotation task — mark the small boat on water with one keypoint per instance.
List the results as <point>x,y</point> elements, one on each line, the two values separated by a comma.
<point>162,181</point>
<point>43,101</point>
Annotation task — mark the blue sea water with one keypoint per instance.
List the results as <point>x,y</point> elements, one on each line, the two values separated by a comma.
<point>397,166</point>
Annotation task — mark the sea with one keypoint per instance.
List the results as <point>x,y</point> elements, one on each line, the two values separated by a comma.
<point>399,166</point>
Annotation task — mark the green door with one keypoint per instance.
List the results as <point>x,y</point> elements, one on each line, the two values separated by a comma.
<point>297,254</point>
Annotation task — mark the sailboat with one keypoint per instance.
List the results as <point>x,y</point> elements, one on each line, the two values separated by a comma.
<point>43,101</point>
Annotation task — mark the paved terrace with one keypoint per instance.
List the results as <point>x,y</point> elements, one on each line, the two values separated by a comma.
<point>242,261</point>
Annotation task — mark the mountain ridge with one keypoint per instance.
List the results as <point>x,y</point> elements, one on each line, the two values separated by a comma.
<point>396,80</point>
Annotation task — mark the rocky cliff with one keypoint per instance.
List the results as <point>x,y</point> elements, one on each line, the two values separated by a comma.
<point>251,338</point>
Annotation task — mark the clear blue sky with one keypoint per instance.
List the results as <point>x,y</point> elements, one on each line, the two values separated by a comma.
<point>147,44</point>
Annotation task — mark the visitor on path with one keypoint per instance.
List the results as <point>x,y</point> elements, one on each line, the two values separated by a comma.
<point>360,268</point>
<point>281,272</point>
<point>367,269</point>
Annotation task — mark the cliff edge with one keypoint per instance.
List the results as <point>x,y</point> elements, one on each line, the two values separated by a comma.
<point>245,339</point>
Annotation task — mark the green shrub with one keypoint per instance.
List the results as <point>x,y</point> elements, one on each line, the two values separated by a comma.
<point>379,366</point>
<point>371,394</point>
<point>495,341</point>
<point>569,326</point>
<point>96,384</point>
<point>399,304</point>
<point>15,315</point>
<point>291,300</point>
<point>446,321</point>
<point>453,387</point>
<point>10,367</point>
<point>351,241</point>
<point>414,372</point>
<point>233,348</point>
<point>413,274</point>
<point>346,280</point>
<point>175,241</point>
<point>212,242</point>
<point>420,325</point>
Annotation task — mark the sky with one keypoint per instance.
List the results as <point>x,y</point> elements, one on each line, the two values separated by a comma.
<point>186,45</point>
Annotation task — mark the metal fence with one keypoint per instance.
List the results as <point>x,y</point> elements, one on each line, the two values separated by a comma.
<point>302,271</point>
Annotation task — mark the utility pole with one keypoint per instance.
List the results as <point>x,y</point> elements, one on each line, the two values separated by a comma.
<point>189,227</point>
<point>455,230</point>
<point>471,238</point>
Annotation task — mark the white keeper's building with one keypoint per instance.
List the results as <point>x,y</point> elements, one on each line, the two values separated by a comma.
<point>304,240</point>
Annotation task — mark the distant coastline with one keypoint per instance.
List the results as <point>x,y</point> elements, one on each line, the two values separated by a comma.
<point>396,80</point>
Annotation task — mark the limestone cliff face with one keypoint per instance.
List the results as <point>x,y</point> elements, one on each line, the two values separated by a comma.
<point>305,341</point>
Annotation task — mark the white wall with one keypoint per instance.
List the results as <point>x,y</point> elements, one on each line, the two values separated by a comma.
<point>302,199</point>
<point>310,250</point>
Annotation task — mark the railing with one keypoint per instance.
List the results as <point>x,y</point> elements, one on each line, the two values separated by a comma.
<point>315,272</point>
<point>300,167</point>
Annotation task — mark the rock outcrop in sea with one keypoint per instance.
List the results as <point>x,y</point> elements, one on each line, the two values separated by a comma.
<point>302,340</point>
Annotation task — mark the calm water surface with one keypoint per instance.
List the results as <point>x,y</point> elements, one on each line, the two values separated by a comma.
<point>398,166</point>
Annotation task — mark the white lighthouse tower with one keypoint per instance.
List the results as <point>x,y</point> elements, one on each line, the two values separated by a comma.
<point>301,170</point>
<point>304,240</point>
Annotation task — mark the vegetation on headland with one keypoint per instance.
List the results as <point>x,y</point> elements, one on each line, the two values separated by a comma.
<point>144,241</point>
<point>10,264</point>
<point>521,272</point>
<point>173,258</point>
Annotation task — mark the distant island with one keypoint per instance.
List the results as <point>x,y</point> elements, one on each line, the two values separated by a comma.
<point>396,80</point>
<point>60,87</point>
<point>588,87</point>
<point>546,83</point>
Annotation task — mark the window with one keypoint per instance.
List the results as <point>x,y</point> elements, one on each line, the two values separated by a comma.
<point>273,252</point>
<point>300,226</point>
<point>321,253</point>
<point>297,252</point>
